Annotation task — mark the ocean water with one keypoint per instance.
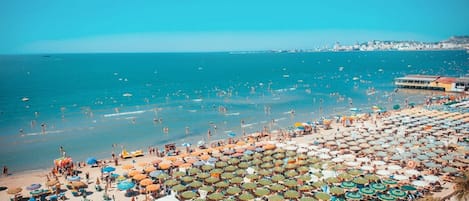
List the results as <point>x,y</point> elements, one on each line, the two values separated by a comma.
<point>88,102</point>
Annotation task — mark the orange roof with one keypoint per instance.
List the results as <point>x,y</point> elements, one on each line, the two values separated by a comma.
<point>446,80</point>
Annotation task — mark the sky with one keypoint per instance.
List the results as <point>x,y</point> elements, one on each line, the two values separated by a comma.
<point>88,26</point>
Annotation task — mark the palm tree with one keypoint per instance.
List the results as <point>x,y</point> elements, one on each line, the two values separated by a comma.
<point>461,187</point>
<point>429,198</point>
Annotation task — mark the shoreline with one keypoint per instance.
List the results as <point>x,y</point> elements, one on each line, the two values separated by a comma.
<point>39,175</point>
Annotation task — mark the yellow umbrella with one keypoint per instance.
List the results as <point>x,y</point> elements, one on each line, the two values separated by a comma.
<point>139,177</point>
<point>164,165</point>
<point>127,166</point>
<point>134,172</point>
<point>14,190</point>
<point>146,182</point>
<point>153,187</point>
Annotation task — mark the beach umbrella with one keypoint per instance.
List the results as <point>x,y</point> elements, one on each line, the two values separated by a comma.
<point>261,192</point>
<point>277,187</point>
<point>222,184</point>
<point>212,180</point>
<point>91,161</point>
<point>178,188</point>
<point>386,197</point>
<point>276,198</point>
<point>125,185</point>
<point>195,184</point>
<point>307,199</point>
<point>397,193</point>
<point>249,186</point>
<point>371,177</point>
<point>233,190</point>
<point>74,178</point>
<point>109,169</point>
<point>383,172</point>
<point>322,196</point>
<point>243,165</point>
<point>291,194</point>
<point>265,182</point>
<point>430,178</point>
<point>389,182</point>
<point>450,169</point>
<point>367,191</point>
<point>153,187</point>
<point>353,196</point>
<point>162,176</point>
<point>252,176</point>
<point>336,190</point>
<point>188,194</point>
<point>355,172</point>
<point>305,188</point>
<point>360,180</point>
<point>187,179</point>
<point>400,177</point>
<point>14,190</point>
<point>146,182</point>
<point>348,184</point>
<point>203,175</point>
<point>171,182</point>
<point>332,180</point>
<point>378,186</point>
<point>246,196</point>
<point>127,166</point>
<point>318,184</point>
<point>207,188</point>
<point>304,177</point>
<point>290,183</point>
<point>216,196</point>
<point>236,180</point>
<point>345,176</point>
<point>408,188</point>
<point>193,171</point>
<point>139,177</point>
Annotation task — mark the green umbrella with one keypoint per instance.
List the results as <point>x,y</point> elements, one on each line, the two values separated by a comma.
<point>257,155</point>
<point>371,177</point>
<point>397,193</point>
<point>304,177</point>
<point>388,181</point>
<point>345,176</point>
<point>360,180</point>
<point>207,167</point>
<point>279,156</point>
<point>249,186</point>
<point>252,176</point>
<point>243,165</point>
<point>332,180</point>
<point>313,160</point>
<point>188,194</point>
<point>336,190</point>
<point>277,187</point>
<point>179,174</point>
<point>207,188</point>
<point>348,184</point>
<point>221,164</point>
<point>267,159</point>
<point>195,184</point>
<point>233,190</point>
<point>256,161</point>
<point>378,186</point>
<point>187,179</point>
<point>291,173</point>
<point>200,199</point>
<point>233,161</point>
<point>264,172</point>
<point>303,169</point>
<point>212,180</point>
<point>291,194</point>
<point>193,171</point>
<point>408,188</point>
<point>203,175</point>
<point>240,172</point>
<point>171,182</point>
<point>267,165</point>
<point>236,180</point>
<point>265,182</point>
<point>276,198</point>
<point>290,166</point>
<point>291,153</point>
<point>278,169</point>
<point>386,197</point>
<point>305,188</point>
<point>322,196</point>
<point>302,162</point>
<point>216,196</point>
<point>318,184</point>
<point>227,175</point>
<point>353,195</point>
<point>367,191</point>
<point>450,169</point>
<point>290,183</point>
<point>178,188</point>
<point>261,192</point>
<point>216,171</point>
<point>162,176</point>
<point>230,168</point>
<point>278,177</point>
<point>222,184</point>
<point>307,199</point>
<point>355,172</point>
<point>246,196</point>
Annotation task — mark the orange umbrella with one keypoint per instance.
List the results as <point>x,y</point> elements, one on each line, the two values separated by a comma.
<point>196,153</point>
<point>127,166</point>
<point>153,187</point>
<point>134,172</point>
<point>156,161</point>
<point>182,155</point>
<point>185,165</point>
<point>165,165</point>
<point>146,182</point>
<point>191,160</point>
<point>139,177</point>
<point>142,164</point>
<point>14,190</point>
<point>205,157</point>
<point>240,143</point>
<point>149,169</point>
<point>269,147</point>
<point>230,146</point>
<point>178,162</point>
<point>171,158</point>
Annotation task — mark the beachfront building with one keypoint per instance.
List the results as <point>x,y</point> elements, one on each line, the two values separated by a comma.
<point>433,82</point>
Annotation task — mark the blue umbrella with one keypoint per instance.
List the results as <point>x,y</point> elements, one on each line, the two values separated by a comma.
<point>74,178</point>
<point>109,169</point>
<point>155,173</point>
<point>198,163</point>
<point>259,149</point>
<point>91,161</point>
<point>33,187</point>
<point>248,152</point>
<point>125,185</point>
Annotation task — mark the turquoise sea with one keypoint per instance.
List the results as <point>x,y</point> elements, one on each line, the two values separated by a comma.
<point>88,102</point>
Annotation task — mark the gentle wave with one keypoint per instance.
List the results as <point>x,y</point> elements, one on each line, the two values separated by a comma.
<point>124,113</point>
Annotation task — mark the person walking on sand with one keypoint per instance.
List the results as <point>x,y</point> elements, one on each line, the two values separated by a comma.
<point>5,170</point>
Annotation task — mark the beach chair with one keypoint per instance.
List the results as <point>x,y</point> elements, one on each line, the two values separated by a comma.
<point>75,193</point>
<point>137,153</point>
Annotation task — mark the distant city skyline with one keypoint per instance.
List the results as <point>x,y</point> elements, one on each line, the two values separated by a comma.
<point>55,26</point>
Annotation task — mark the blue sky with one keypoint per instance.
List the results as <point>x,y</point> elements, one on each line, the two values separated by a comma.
<point>52,26</point>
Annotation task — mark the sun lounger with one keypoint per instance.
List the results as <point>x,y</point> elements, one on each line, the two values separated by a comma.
<point>137,153</point>
<point>125,154</point>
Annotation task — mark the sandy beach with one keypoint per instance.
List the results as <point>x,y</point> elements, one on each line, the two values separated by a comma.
<point>350,141</point>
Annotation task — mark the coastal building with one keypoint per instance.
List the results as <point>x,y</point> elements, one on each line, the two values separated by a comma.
<point>433,82</point>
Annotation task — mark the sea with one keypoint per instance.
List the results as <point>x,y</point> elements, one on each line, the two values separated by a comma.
<point>96,104</point>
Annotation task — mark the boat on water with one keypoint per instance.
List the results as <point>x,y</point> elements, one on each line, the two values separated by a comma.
<point>25,99</point>
<point>127,95</point>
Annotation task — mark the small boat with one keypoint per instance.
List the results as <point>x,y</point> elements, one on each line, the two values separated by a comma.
<point>127,94</point>
<point>25,99</point>
<point>137,153</point>
<point>125,154</point>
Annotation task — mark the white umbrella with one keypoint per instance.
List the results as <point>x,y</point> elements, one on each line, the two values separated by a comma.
<point>328,173</point>
<point>352,163</point>
<point>419,183</point>
<point>324,150</point>
<point>302,150</point>
<point>431,178</point>
<point>412,172</point>
<point>394,168</point>
<point>400,177</point>
<point>378,163</point>
<point>280,145</point>
<point>347,157</point>
<point>383,172</point>
<point>364,159</point>
<point>324,156</point>
<point>366,168</point>
<point>290,148</point>
<point>337,160</point>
